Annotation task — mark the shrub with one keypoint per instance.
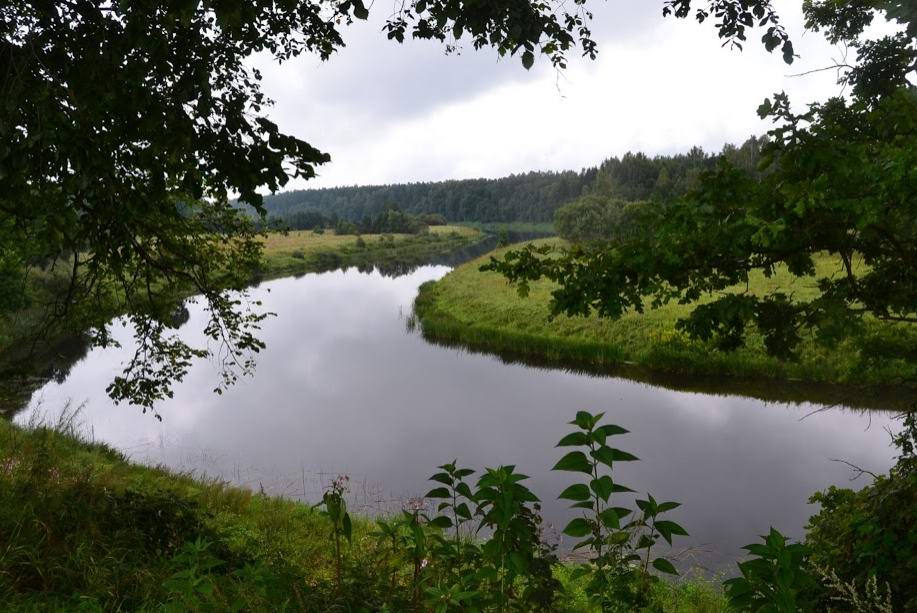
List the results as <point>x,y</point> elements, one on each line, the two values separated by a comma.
<point>776,580</point>
<point>872,534</point>
<point>299,254</point>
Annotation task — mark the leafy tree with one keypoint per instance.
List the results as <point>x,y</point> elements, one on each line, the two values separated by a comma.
<point>839,178</point>
<point>124,125</point>
<point>596,218</point>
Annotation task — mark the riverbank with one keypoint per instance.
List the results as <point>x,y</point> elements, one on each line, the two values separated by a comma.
<point>482,312</point>
<point>84,528</point>
<point>304,251</point>
<point>25,366</point>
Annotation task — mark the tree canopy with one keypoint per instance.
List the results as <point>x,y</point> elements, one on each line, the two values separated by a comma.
<point>840,177</point>
<point>125,124</point>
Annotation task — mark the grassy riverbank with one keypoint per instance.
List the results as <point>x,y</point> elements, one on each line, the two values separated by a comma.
<point>82,528</point>
<point>481,311</point>
<point>518,227</point>
<point>305,251</point>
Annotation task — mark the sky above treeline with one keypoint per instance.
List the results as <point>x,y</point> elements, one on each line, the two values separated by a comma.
<point>390,113</point>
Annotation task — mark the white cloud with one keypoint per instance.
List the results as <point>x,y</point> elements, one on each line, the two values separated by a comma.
<point>389,113</point>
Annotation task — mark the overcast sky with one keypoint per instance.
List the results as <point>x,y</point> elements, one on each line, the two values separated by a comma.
<point>392,113</point>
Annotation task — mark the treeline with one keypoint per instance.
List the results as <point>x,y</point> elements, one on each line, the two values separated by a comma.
<point>629,194</point>
<point>391,220</point>
<point>532,197</point>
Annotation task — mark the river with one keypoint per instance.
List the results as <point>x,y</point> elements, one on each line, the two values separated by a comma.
<point>346,386</point>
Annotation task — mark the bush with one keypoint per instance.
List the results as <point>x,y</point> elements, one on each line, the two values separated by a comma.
<point>433,219</point>
<point>598,218</point>
<point>299,254</point>
<point>873,533</point>
<point>361,244</point>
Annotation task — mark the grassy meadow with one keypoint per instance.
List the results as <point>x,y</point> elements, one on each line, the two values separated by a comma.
<point>82,528</point>
<point>481,311</point>
<point>305,251</point>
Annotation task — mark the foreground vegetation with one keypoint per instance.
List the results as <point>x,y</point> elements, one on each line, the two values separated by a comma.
<point>81,528</point>
<point>482,311</point>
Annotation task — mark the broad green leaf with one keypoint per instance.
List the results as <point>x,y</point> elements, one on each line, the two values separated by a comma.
<point>462,511</point>
<point>442,478</point>
<point>603,486</point>
<point>441,522</point>
<point>578,491</point>
<point>667,528</point>
<point>663,565</point>
<point>439,492</point>
<point>610,519</point>
<point>586,420</point>
<point>463,489</point>
<point>611,430</point>
<point>578,527</point>
<point>575,461</point>
<point>574,439</point>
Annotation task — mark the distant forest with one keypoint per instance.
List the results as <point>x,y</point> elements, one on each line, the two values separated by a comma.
<point>530,197</point>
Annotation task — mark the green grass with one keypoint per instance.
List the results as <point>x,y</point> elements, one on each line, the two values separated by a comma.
<point>304,251</point>
<point>511,226</point>
<point>82,528</point>
<point>481,311</point>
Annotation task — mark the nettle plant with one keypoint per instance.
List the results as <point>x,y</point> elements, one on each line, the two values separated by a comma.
<point>483,549</point>
<point>620,550</point>
<point>509,570</point>
<point>335,509</point>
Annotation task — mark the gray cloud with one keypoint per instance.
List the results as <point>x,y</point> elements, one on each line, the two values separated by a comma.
<point>388,112</point>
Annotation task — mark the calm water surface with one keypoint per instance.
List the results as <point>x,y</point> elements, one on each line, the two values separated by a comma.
<point>344,387</point>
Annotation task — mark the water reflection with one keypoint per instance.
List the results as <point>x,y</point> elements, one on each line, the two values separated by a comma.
<point>343,387</point>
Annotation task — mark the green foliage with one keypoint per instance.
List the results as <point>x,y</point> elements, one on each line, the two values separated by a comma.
<point>598,218</point>
<point>838,178</point>
<point>191,588</point>
<point>510,569</point>
<point>127,125</point>
<point>621,551</point>
<point>478,310</point>
<point>335,509</point>
<point>872,534</point>
<point>83,528</point>
<point>775,580</point>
